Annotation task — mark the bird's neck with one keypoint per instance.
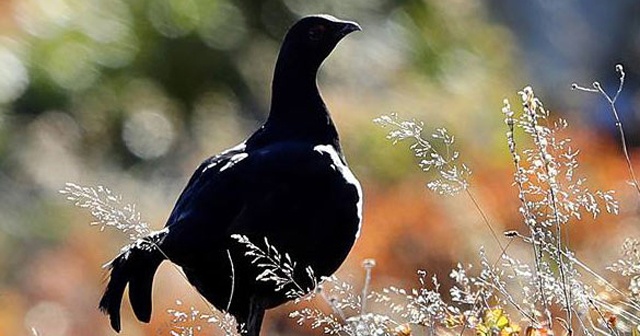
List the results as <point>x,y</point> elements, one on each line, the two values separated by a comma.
<point>297,108</point>
<point>295,95</point>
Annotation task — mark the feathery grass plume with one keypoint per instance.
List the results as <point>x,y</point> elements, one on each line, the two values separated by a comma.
<point>318,319</point>
<point>191,322</point>
<point>436,153</point>
<point>611,100</point>
<point>422,306</point>
<point>187,323</point>
<point>628,265</point>
<point>108,209</point>
<point>277,267</point>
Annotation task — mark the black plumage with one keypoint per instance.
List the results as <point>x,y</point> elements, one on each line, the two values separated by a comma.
<point>288,182</point>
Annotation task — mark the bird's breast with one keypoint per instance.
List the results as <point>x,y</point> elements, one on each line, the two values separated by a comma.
<point>347,175</point>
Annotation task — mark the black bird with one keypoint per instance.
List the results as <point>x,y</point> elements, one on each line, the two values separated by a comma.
<point>288,182</point>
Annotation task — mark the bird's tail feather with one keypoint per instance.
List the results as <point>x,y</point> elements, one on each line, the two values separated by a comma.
<point>136,266</point>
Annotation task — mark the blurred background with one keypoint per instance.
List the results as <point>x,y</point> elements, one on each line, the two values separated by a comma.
<point>133,94</point>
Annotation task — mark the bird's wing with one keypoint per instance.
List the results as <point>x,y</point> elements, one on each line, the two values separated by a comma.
<point>209,184</point>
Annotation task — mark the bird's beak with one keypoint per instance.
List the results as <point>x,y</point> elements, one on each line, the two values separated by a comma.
<point>349,27</point>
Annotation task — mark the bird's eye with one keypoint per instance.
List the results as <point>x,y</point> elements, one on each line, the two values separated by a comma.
<point>317,32</point>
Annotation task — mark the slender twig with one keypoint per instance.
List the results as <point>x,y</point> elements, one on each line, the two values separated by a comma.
<point>632,318</point>
<point>601,315</point>
<point>597,88</point>
<point>629,316</point>
<point>233,279</point>
<point>337,310</point>
<point>368,265</point>
<point>486,221</point>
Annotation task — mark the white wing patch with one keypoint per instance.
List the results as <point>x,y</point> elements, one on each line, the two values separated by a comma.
<point>347,175</point>
<point>234,159</point>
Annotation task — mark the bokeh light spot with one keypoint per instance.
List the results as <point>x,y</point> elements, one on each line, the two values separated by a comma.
<point>148,134</point>
<point>14,78</point>
<point>48,146</point>
<point>223,26</point>
<point>48,318</point>
<point>70,65</point>
<point>43,18</point>
<point>174,18</point>
<point>106,21</point>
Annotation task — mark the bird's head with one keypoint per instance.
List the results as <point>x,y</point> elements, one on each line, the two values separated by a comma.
<point>312,38</point>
